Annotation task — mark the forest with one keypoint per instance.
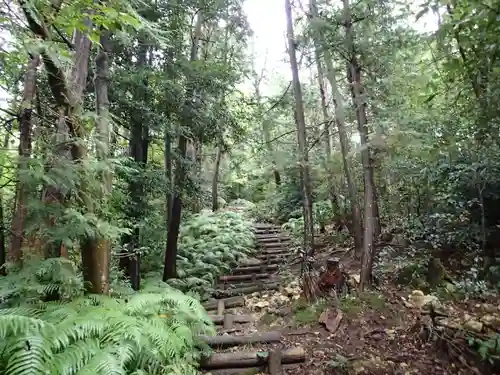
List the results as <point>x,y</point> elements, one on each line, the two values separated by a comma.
<point>145,154</point>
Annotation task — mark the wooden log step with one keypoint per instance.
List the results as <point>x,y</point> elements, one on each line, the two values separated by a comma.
<point>253,269</point>
<point>267,231</point>
<point>250,359</point>
<point>254,370</point>
<point>274,241</point>
<point>267,239</point>
<point>226,341</point>
<point>221,293</point>
<point>274,258</point>
<point>219,319</point>
<point>243,284</point>
<point>276,245</point>
<point>253,276</point>
<point>270,260</point>
<point>258,262</point>
<point>228,303</point>
<point>265,226</point>
<point>276,251</point>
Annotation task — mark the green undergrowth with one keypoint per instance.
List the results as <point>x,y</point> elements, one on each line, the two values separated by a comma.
<point>210,244</point>
<point>305,314</point>
<point>150,332</point>
<point>144,334</point>
<point>358,303</point>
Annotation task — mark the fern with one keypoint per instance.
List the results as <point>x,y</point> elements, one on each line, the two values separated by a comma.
<point>209,245</point>
<point>149,333</point>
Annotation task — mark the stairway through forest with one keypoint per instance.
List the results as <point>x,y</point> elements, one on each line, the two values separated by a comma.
<point>262,351</point>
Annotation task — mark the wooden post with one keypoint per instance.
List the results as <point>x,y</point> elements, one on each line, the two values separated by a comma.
<point>220,307</point>
<point>228,321</point>
<point>274,364</point>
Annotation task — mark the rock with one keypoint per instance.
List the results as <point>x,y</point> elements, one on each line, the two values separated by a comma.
<point>289,291</point>
<point>262,304</point>
<point>490,309</point>
<point>418,299</point>
<point>376,336</point>
<point>284,311</point>
<point>356,278</point>
<point>474,325</point>
<point>491,320</point>
<point>390,333</point>
<point>281,299</point>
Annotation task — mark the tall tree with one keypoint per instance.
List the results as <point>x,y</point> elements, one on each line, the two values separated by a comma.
<point>301,132</point>
<point>371,228</point>
<point>25,130</point>
<point>170,266</point>
<point>96,264</point>
<point>355,228</point>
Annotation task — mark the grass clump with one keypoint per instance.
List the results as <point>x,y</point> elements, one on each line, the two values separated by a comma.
<point>306,314</point>
<point>355,304</point>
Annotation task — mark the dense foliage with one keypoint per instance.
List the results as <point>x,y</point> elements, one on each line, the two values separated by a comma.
<point>143,334</point>
<point>210,244</point>
<point>125,122</point>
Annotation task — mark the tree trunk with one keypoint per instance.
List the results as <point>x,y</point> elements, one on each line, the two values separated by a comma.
<point>170,265</point>
<point>167,141</point>
<point>25,129</point>
<point>301,130</point>
<point>68,96</point>
<point>3,239</point>
<point>3,228</point>
<point>138,150</point>
<point>326,133</point>
<point>356,228</point>
<point>96,252</point>
<point>198,160</point>
<point>215,181</point>
<point>370,221</point>
<point>266,132</point>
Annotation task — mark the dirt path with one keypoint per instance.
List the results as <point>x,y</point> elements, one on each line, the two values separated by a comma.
<point>368,333</point>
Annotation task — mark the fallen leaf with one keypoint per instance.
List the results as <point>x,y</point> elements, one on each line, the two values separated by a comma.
<point>331,319</point>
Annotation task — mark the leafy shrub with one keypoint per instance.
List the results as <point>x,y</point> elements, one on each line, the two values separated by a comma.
<point>242,203</point>
<point>322,214</point>
<point>295,227</point>
<point>145,334</point>
<point>40,278</point>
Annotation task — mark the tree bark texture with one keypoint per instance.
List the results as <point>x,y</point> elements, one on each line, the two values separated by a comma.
<point>370,221</point>
<point>215,181</point>
<point>25,146</point>
<point>301,132</point>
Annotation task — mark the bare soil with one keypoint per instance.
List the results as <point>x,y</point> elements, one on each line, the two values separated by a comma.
<point>378,334</point>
